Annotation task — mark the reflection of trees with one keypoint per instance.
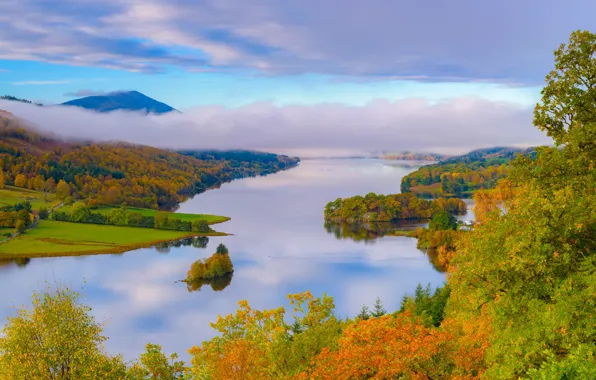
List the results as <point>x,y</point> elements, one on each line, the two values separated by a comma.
<point>21,261</point>
<point>369,232</point>
<point>366,232</point>
<point>433,258</point>
<point>197,242</point>
<point>217,284</point>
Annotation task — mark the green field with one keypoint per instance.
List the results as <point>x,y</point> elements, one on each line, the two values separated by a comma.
<point>12,195</point>
<point>211,219</point>
<point>51,238</point>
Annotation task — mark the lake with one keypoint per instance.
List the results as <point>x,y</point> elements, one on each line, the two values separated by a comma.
<point>279,246</point>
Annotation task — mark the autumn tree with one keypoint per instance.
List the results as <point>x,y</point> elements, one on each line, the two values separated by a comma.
<point>2,179</point>
<point>62,190</point>
<point>154,364</point>
<point>56,339</point>
<point>20,180</point>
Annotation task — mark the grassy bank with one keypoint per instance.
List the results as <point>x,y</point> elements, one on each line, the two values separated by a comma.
<point>210,219</point>
<point>52,238</point>
<point>10,196</point>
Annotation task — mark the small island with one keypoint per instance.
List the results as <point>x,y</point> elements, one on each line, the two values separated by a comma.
<point>215,270</point>
<point>388,208</point>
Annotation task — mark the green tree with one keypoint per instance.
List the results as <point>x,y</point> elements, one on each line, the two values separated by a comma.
<point>443,220</point>
<point>56,339</point>
<point>79,212</point>
<point>222,249</point>
<point>364,313</point>
<point>200,226</point>
<point>154,364</point>
<point>378,309</point>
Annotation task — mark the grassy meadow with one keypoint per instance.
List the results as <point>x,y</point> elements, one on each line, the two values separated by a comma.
<point>52,238</point>
<point>12,195</point>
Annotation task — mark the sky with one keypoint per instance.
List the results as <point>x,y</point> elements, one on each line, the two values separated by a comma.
<point>296,59</point>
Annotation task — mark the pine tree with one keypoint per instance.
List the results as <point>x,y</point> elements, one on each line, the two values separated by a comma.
<point>364,313</point>
<point>378,309</point>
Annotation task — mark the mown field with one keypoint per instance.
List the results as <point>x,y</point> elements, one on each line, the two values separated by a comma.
<point>52,238</point>
<point>210,219</point>
<point>12,195</point>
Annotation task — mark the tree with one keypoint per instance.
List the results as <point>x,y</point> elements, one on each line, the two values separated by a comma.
<point>20,180</point>
<point>200,226</point>
<point>39,183</point>
<point>20,226</point>
<point>2,179</point>
<point>50,185</point>
<point>378,309</point>
<point>62,190</point>
<point>113,195</point>
<point>568,99</point>
<point>443,220</point>
<point>154,364</point>
<point>221,249</point>
<point>79,212</point>
<point>56,339</point>
<point>364,313</point>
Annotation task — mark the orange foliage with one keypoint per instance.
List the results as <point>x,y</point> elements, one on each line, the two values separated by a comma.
<point>384,348</point>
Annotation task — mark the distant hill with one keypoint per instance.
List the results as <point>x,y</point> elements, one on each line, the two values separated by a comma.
<point>15,99</point>
<point>488,153</point>
<point>413,156</point>
<point>124,100</point>
<point>462,175</point>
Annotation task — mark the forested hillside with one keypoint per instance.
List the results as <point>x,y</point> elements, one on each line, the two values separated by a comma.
<point>461,175</point>
<point>104,173</point>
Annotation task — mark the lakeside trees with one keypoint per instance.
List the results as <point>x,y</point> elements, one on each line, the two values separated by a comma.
<point>385,208</point>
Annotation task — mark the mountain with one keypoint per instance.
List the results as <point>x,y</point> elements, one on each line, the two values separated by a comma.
<point>122,100</point>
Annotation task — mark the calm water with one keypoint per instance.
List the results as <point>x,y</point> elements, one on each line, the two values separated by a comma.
<point>279,246</point>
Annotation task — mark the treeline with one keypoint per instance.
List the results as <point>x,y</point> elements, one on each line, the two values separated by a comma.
<point>112,174</point>
<point>81,213</point>
<point>385,208</point>
<point>479,169</point>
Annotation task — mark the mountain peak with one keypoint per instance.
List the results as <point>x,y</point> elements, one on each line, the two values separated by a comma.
<point>121,100</point>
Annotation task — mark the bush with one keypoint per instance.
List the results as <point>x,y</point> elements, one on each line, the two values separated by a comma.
<point>43,213</point>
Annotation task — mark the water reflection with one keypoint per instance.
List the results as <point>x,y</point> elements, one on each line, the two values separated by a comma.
<point>19,262</point>
<point>217,284</point>
<point>196,242</point>
<point>369,232</point>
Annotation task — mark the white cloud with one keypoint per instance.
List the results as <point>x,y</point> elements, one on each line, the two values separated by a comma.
<point>416,124</point>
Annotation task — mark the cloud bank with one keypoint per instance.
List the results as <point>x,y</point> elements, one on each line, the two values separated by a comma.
<point>416,124</point>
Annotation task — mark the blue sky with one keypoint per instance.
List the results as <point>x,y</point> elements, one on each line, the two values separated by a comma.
<point>233,52</point>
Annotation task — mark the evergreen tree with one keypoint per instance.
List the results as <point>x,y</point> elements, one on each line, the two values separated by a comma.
<point>378,309</point>
<point>364,313</point>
